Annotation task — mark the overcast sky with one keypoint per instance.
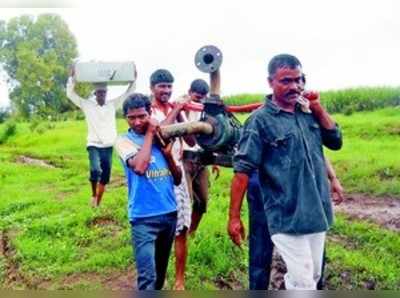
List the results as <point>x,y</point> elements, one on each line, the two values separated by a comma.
<point>341,43</point>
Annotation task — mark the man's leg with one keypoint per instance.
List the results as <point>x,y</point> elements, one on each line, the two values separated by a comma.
<point>94,164</point>
<point>93,185</point>
<point>317,243</point>
<point>200,196</point>
<point>163,248</point>
<point>144,235</point>
<point>183,223</point>
<point>321,282</point>
<point>105,164</point>
<point>181,252</point>
<point>301,255</point>
<point>260,244</point>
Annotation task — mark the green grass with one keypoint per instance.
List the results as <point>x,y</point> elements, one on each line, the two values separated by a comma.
<point>344,101</point>
<point>53,233</point>
<point>368,253</point>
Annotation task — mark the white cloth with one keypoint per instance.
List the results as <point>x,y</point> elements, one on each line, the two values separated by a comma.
<point>303,257</point>
<point>181,191</point>
<point>100,120</point>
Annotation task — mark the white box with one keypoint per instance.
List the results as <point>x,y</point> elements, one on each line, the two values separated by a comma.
<point>108,72</point>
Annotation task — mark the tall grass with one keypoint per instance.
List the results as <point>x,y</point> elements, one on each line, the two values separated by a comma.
<point>344,101</point>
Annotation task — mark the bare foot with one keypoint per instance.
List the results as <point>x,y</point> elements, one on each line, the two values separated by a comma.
<point>93,202</point>
<point>179,286</point>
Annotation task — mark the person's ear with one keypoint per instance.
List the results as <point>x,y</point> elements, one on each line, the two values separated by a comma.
<point>269,79</point>
<point>303,78</point>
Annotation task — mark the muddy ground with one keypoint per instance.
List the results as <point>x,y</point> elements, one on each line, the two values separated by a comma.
<point>383,211</point>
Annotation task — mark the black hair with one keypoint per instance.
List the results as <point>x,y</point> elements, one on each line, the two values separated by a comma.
<point>136,101</point>
<point>161,76</point>
<point>199,86</point>
<point>282,60</point>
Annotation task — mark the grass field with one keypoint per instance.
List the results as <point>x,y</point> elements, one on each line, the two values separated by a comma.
<point>344,101</point>
<point>51,238</point>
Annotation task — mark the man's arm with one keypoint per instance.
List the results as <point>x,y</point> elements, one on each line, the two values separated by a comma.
<point>174,169</point>
<point>324,119</point>
<point>140,162</point>
<point>176,115</point>
<point>117,102</point>
<point>331,136</point>
<point>71,94</point>
<point>336,187</point>
<point>239,185</point>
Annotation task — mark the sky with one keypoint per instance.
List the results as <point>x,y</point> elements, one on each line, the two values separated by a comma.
<point>341,43</point>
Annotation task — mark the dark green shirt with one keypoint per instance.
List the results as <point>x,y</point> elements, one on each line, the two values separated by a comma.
<point>286,148</point>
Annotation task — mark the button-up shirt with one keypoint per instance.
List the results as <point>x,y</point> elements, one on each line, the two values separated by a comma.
<point>287,150</point>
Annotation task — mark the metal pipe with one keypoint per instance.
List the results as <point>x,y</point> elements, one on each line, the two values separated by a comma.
<point>188,128</point>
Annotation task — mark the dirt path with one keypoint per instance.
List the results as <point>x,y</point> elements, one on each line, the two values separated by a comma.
<point>384,211</point>
<point>34,161</point>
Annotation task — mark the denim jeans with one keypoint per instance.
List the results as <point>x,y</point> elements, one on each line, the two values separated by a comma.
<point>152,239</point>
<point>260,244</point>
<point>100,160</point>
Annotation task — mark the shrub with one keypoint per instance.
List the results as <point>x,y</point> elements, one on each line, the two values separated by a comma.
<point>9,129</point>
<point>4,114</point>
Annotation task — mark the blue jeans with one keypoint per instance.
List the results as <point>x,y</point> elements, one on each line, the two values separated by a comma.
<point>152,239</point>
<point>260,244</point>
<point>100,160</point>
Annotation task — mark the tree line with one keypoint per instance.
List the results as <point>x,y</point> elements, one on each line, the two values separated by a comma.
<point>35,55</point>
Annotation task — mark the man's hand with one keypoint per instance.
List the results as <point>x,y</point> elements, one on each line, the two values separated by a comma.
<point>184,99</point>
<point>179,105</point>
<point>152,126</point>
<point>337,191</point>
<point>236,230</point>
<point>167,150</point>
<point>313,98</point>
<point>215,171</point>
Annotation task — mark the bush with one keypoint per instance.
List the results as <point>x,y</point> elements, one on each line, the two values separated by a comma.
<point>40,125</point>
<point>4,114</point>
<point>9,129</point>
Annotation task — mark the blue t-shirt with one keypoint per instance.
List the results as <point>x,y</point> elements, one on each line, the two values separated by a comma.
<point>152,193</point>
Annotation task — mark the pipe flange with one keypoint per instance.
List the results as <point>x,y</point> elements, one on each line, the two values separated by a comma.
<point>208,59</point>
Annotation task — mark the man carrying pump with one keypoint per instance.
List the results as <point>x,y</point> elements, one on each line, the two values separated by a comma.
<point>151,173</point>
<point>284,142</point>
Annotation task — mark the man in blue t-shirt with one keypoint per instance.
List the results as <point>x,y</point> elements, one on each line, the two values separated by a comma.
<point>151,173</point>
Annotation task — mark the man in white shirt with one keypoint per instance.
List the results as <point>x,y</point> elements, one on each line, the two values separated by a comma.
<point>161,82</point>
<point>102,132</point>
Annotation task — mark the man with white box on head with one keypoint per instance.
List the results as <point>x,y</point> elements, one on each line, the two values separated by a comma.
<point>102,132</point>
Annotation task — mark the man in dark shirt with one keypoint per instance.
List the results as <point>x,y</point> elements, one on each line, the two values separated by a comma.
<point>283,141</point>
<point>260,243</point>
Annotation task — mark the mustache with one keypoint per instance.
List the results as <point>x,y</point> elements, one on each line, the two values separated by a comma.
<point>293,93</point>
